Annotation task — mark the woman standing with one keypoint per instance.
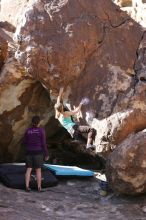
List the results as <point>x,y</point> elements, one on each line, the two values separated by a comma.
<point>36,150</point>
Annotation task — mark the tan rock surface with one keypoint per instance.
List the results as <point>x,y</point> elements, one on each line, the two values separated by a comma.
<point>114,129</point>
<point>11,11</point>
<point>135,8</point>
<point>21,97</point>
<point>126,165</point>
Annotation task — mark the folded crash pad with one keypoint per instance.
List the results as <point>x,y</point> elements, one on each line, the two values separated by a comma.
<point>12,167</point>
<point>13,176</point>
<point>69,170</point>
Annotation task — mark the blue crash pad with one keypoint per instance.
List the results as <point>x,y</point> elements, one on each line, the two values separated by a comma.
<point>68,170</point>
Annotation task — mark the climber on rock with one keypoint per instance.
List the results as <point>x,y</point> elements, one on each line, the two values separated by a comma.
<point>75,130</point>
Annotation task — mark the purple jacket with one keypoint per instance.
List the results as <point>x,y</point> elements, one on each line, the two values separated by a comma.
<point>35,140</point>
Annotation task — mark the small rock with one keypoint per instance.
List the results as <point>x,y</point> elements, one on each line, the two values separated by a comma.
<point>103,193</point>
<point>70,183</point>
<point>144,208</point>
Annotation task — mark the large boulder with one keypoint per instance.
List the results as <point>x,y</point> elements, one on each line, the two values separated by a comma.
<point>126,165</point>
<point>114,129</point>
<point>93,49</point>
<point>66,41</point>
<point>79,45</point>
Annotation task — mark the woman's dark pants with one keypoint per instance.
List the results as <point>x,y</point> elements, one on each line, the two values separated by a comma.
<point>83,129</point>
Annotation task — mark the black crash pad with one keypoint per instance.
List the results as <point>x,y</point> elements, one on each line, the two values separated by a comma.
<point>13,176</point>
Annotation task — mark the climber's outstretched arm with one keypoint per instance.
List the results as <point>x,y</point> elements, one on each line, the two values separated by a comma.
<point>60,95</point>
<point>58,102</point>
<point>73,112</point>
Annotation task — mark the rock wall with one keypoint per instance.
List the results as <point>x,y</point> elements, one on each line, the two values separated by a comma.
<point>92,48</point>
<point>126,165</point>
<point>100,63</point>
<point>135,8</point>
<point>3,51</point>
<point>21,98</point>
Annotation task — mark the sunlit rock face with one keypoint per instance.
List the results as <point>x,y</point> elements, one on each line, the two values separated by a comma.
<point>114,129</point>
<point>11,11</point>
<point>126,165</point>
<point>135,8</point>
<point>21,97</point>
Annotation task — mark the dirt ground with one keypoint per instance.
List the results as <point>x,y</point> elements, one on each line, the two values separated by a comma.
<point>70,199</point>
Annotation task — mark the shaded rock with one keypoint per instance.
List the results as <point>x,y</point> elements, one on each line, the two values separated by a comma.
<point>7,26</point>
<point>139,96</point>
<point>126,165</point>
<point>64,150</point>
<point>3,51</point>
<point>70,152</point>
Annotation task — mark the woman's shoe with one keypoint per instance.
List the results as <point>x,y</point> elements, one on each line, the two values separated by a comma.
<point>91,147</point>
<point>40,190</point>
<point>28,189</point>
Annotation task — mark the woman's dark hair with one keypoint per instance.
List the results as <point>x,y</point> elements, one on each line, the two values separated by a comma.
<point>35,120</point>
